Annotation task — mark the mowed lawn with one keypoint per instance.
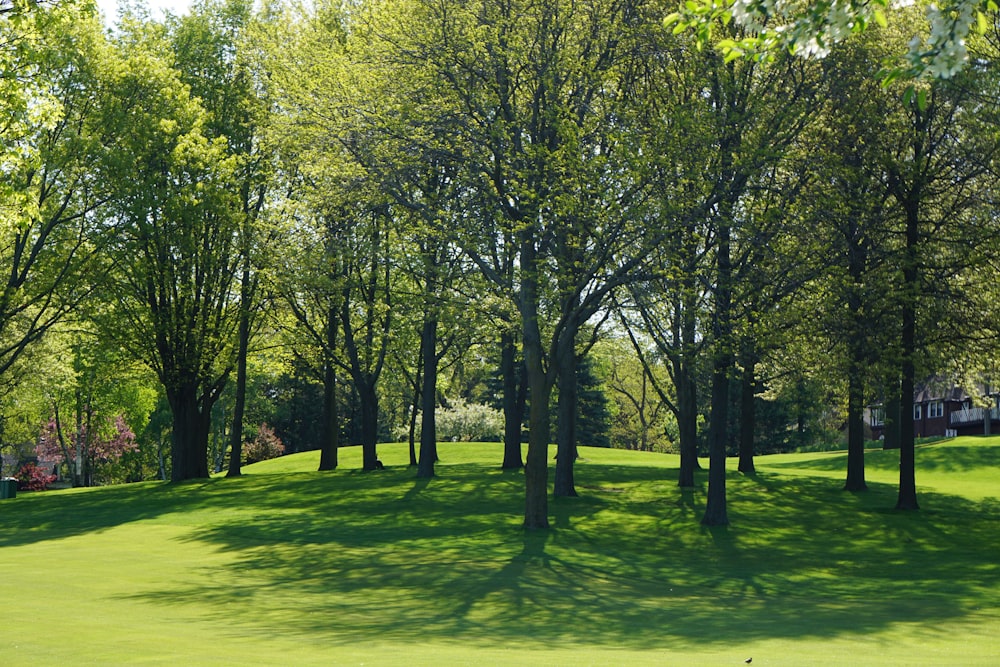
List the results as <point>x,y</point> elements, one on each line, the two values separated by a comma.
<point>287,566</point>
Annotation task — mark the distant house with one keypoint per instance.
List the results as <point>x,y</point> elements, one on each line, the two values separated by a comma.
<point>943,409</point>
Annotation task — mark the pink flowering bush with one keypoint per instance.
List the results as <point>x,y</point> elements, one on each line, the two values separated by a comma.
<point>102,445</point>
<point>32,478</point>
<point>265,445</point>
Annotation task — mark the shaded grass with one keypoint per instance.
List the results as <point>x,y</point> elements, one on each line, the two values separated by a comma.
<point>384,568</point>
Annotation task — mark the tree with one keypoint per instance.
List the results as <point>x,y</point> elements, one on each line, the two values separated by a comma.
<point>177,243</point>
<point>850,201</point>
<point>532,87</point>
<point>53,63</point>
<point>814,28</point>
<point>211,48</point>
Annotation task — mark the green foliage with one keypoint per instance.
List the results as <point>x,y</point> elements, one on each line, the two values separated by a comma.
<point>593,416</point>
<point>461,421</point>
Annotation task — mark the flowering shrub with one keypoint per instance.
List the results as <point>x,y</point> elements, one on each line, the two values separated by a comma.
<point>32,478</point>
<point>101,443</point>
<point>469,422</point>
<point>265,445</point>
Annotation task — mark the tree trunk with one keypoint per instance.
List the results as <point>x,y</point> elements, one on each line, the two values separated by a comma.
<point>369,424</point>
<point>890,431</point>
<point>428,425</point>
<point>236,433</point>
<point>855,429</point>
<point>687,395</point>
<point>715,509</point>
<point>513,402</point>
<point>189,446</point>
<point>907,499</point>
<point>857,260</point>
<point>536,510</point>
<point>747,409</point>
<point>566,425</point>
<point>536,473</point>
<point>330,430</point>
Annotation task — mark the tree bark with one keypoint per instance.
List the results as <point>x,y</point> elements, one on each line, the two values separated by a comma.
<point>236,432</point>
<point>747,408</point>
<point>855,430</point>
<point>428,425</point>
<point>907,499</point>
<point>536,473</point>
<point>513,402</point>
<point>687,390</point>
<point>566,435</point>
<point>189,446</point>
<point>890,432</point>
<point>715,509</point>
<point>330,432</point>
<point>369,425</point>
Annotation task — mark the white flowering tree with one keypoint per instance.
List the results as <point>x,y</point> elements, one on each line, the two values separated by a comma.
<point>937,50</point>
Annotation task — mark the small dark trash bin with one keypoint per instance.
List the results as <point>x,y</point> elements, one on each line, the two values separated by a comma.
<point>8,488</point>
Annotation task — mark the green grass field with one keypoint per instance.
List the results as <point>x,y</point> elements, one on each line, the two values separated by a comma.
<point>287,566</point>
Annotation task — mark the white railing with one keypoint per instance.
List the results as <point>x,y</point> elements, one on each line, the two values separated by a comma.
<point>973,415</point>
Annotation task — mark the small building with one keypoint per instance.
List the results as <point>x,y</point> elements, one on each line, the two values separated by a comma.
<point>943,409</point>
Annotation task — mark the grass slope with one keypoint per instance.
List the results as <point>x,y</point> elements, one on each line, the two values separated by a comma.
<point>291,566</point>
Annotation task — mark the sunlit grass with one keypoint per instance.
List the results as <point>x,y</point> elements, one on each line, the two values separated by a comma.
<point>290,566</point>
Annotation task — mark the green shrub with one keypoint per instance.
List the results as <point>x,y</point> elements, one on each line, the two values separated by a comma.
<point>469,422</point>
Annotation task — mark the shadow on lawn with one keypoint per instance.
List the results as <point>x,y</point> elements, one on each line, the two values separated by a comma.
<point>37,516</point>
<point>627,564</point>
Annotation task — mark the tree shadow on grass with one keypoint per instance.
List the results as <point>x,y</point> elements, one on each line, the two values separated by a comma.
<point>443,560</point>
<point>38,516</point>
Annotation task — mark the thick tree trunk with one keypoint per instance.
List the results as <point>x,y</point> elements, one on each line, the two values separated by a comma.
<point>891,429</point>
<point>330,431</point>
<point>566,435</point>
<point>747,410</point>
<point>855,430</point>
<point>513,402</point>
<point>189,447</point>
<point>715,509</point>
<point>536,473</point>
<point>428,425</point>
<point>536,508</point>
<point>369,425</point>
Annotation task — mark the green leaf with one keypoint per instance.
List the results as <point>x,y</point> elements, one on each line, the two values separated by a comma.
<point>922,99</point>
<point>671,19</point>
<point>982,23</point>
<point>732,54</point>
<point>879,17</point>
<point>908,95</point>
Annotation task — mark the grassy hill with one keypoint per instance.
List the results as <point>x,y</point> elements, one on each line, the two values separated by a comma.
<point>290,566</point>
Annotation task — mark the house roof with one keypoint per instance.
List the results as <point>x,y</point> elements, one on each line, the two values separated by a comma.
<point>939,390</point>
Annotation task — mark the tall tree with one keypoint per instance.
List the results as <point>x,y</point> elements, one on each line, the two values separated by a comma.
<point>211,52</point>
<point>53,76</point>
<point>176,249</point>
<point>531,84</point>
